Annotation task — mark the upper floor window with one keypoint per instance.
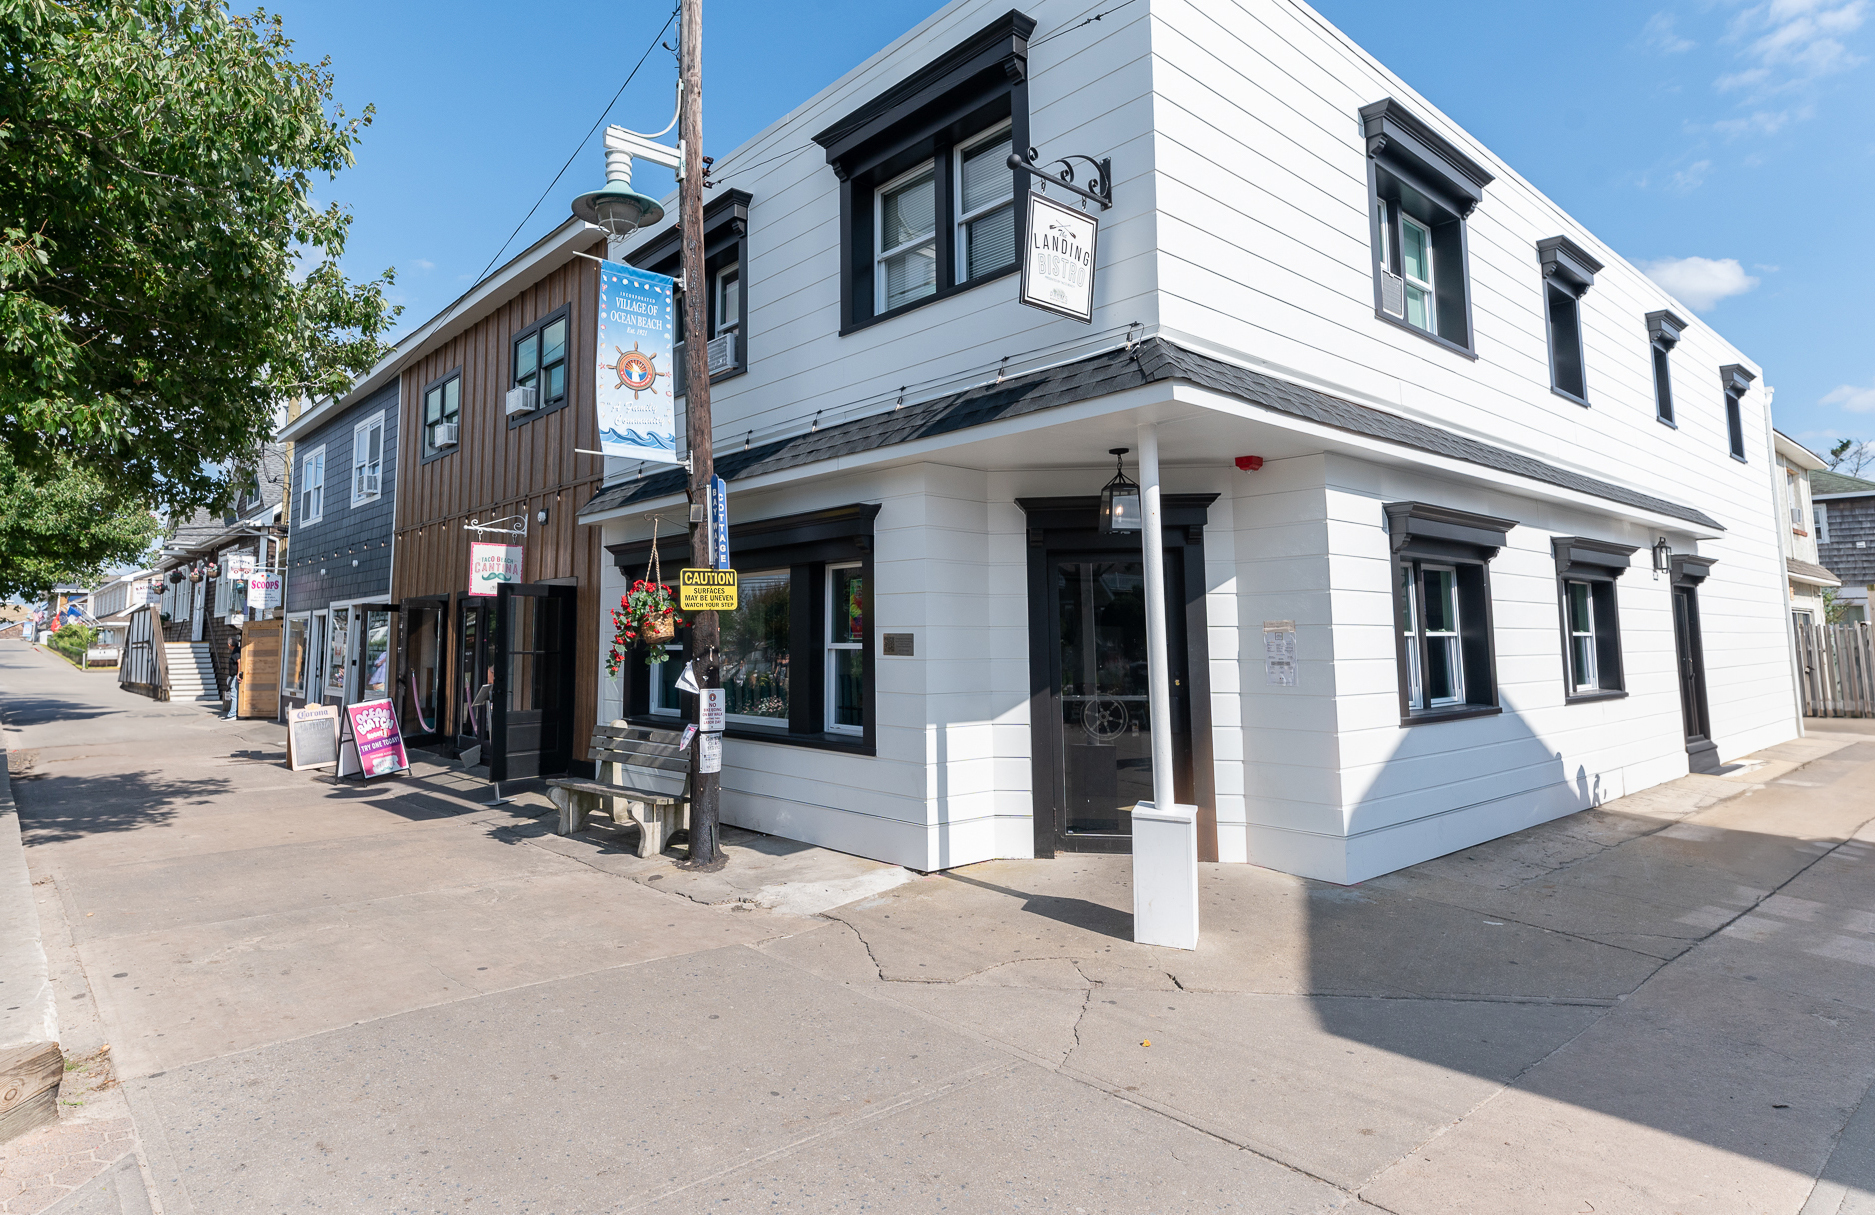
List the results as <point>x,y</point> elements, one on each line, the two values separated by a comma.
<point>540,362</point>
<point>1568,273</point>
<point>1421,189</point>
<point>442,414</point>
<point>1663,334</point>
<point>927,197</point>
<point>1820,512</point>
<point>312,486</point>
<point>726,276</point>
<point>367,459</point>
<point>1737,380</point>
<point>1793,496</point>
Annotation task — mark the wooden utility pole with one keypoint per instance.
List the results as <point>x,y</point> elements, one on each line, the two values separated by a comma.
<point>705,787</point>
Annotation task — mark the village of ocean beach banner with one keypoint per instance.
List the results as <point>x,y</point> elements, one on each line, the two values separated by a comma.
<point>637,409</point>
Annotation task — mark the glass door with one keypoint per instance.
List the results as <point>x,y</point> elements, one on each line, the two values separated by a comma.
<point>421,695</point>
<point>474,673</point>
<point>533,660</point>
<point>1103,728</point>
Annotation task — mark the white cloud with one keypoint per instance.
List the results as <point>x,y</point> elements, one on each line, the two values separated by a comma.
<point>1660,34</point>
<point>1851,398</point>
<point>1792,42</point>
<point>1700,282</point>
<point>423,263</point>
<point>1692,176</point>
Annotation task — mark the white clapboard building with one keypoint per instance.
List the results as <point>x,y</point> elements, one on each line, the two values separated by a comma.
<point>1468,524</point>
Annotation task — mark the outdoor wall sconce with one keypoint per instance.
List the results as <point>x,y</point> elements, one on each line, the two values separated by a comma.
<point>1119,499</point>
<point>1663,557</point>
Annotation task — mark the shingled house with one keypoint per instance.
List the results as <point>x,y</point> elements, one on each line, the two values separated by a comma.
<point>1845,535</point>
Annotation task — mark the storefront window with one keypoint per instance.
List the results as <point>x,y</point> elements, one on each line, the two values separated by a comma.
<point>336,651</point>
<point>664,682</point>
<point>846,649</point>
<point>424,680</point>
<point>294,678</point>
<point>755,650</point>
<point>377,665</point>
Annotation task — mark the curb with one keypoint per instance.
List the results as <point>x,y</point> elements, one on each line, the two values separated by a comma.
<point>31,1064</point>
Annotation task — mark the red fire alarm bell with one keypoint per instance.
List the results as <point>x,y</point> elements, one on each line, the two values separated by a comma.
<point>1249,463</point>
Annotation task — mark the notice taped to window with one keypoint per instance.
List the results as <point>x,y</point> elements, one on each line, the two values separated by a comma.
<point>1279,653</point>
<point>707,590</point>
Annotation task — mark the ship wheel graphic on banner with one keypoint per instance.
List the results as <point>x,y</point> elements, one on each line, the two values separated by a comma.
<point>636,370</point>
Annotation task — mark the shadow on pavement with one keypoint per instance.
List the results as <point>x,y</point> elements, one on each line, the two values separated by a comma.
<point>54,809</point>
<point>1075,913</point>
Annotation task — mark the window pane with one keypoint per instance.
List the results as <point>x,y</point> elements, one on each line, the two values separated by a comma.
<point>374,447</point>
<point>526,359</point>
<point>553,343</point>
<point>556,381</point>
<point>1582,655</point>
<point>1440,616</point>
<point>755,648</point>
<point>295,652</point>
<point>910,275</point>
<point>1418,308</point>
<point>908,212</point>
<point>1409,627</point>
<point>990,242</point>
<point>1415,251</point>
<point>1442,682</point>
<point>729,306</point>
<point>433,405</point>
<point>1581,620</point>
<point>849,606</point>
<point>1663,386</point>
<point>664,682</point>
<point>377,656</point>
<point>987,175</point>
<point>848,682</point>
<point>452,398</point>
<point>337,648</point>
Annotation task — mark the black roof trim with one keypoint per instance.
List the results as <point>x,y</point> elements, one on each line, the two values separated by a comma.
<point>1148,362</point>
<point>731,207</point>
<point>1393,130</point>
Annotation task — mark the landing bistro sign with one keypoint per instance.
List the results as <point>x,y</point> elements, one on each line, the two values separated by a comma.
<point>637,411</point>
<point>1058,265</point>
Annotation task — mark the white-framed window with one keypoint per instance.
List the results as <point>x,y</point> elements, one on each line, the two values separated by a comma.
<point>1820,511</point>
<point>663,698</point>
<point>1584,665</point>
<point>312,486</point>
<point>728,290</point>
<point>367,459</point>
<point>905,238</point>
<point>985,190</point>
<point>1793,491</point>
<point>846,649</point>
<point>1429,625</point>
<point>1416,269</point>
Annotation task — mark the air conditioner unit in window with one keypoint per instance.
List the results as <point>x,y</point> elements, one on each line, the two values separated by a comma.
<point>1392,293</point>
<point>520,400</point>
<point>367,485</point>
<point>722,353</point>
<point>446,433</point>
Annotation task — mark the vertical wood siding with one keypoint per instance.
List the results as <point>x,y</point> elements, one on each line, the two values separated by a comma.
<point>496,471</point>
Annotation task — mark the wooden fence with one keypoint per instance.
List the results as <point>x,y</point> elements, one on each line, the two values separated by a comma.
<point>1836,669</point>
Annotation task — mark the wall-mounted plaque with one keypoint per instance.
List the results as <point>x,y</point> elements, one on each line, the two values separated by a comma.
<point>898,645</point>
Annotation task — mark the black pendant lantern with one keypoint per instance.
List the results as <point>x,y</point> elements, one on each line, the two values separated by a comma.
<point>1119,500</point>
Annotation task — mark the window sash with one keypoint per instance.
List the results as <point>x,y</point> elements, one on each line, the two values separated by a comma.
<point>1794,490</point>
<point>367,458</point>
<point>442,403</point>
<point>1819,511</point>
<point>313,487</point>
<point>1584,660</point>
<point>1421,298</point>
<point>920,244</point>
<point>728,299</point>
<point>845,658</point>
<point>1663,384</point>
<point>1432,630</point>
<point>971,219</point>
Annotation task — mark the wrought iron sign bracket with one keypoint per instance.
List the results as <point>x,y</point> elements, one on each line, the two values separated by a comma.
<point>495,525</point>
<point>1099,187</point>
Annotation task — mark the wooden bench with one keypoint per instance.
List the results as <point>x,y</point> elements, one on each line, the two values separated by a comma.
<point>641,769</point>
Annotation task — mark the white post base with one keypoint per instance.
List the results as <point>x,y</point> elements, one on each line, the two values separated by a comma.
<point>1165,875</point>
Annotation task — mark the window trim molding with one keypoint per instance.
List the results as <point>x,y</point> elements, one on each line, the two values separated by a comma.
<point>1736,380</point>
<point>1422,532</point>
<point>423,428</point>
<point>1403,146</point>
<point>1570,269</point>
<point>1600,563</point>
<point>532,329</point>
<point>381,421</point>
<point>725,241</point>
<point>311,454</point>
<point>987,70</point>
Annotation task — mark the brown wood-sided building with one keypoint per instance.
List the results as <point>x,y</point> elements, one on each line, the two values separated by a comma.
<point>510,673</point>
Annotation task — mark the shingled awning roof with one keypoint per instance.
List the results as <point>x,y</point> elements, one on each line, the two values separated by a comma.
<point>1151,361</point>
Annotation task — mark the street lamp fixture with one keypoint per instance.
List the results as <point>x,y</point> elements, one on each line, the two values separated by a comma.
<point>615,206</point>
<point>1119,500</point>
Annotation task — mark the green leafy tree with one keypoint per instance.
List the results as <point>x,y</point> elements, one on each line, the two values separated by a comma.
<point>65,526</point>
<point>165,276</point>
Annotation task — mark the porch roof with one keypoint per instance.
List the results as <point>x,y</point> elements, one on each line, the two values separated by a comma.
<point>1153,360</point>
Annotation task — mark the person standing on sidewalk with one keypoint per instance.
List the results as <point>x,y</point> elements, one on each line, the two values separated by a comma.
<point>234,677</point>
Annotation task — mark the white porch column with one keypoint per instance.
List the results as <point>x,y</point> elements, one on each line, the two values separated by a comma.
<point>1165,834</point>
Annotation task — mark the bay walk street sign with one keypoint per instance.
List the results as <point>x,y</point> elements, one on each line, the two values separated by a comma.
<point>1058,263</point>
<point>637,326</point>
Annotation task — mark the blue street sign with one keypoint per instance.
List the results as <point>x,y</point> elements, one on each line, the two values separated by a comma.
<point>719,522</point>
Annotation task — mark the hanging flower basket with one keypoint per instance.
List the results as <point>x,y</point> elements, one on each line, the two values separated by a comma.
<point>647,613</point>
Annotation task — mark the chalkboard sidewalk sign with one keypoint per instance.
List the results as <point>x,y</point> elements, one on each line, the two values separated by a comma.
<point>312,737</point>
<point>376,745</point>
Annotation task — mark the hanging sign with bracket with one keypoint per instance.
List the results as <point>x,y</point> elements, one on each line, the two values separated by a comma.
<point>1059,260</point>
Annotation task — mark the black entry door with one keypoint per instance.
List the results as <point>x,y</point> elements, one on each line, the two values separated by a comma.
<point>1702,754</point>
<point>533,660</point>
<point>475,672</point>
<point>1101,725</point>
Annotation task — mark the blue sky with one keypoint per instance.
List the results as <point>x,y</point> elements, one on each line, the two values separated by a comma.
<point>1725,146</point>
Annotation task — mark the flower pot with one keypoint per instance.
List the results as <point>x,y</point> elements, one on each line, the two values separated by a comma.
<point>659,630</point>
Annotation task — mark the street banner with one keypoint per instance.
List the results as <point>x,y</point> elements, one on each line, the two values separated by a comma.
<point>637,409</point>
<point>706,590</point>
<point>380,743</point>
<point>490,565</point>
<point>1058,264</point>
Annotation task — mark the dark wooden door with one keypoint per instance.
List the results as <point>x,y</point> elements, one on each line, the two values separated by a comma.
<point>1701,752</point>
<point>534,655</point>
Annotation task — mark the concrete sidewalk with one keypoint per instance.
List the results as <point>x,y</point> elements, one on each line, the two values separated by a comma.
<point>399,999</point>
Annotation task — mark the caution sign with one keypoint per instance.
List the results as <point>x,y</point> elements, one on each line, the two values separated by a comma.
<point>707,591</point>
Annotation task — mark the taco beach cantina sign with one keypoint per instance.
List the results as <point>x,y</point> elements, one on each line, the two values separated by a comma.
<point>490,565</point>
<point>1058,264</point>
